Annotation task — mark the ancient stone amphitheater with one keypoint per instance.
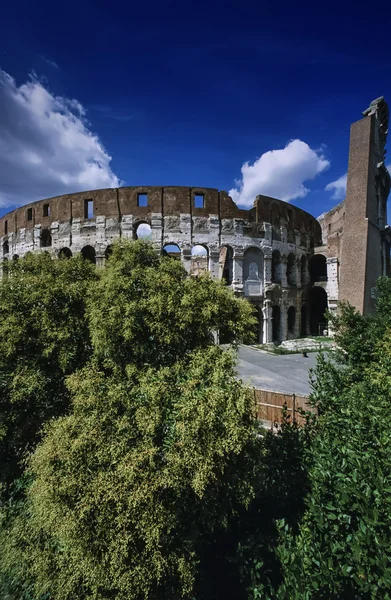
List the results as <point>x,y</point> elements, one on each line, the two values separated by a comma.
<point>282,259</point>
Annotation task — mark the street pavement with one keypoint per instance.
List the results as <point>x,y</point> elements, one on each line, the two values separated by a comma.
<point>286,373</point>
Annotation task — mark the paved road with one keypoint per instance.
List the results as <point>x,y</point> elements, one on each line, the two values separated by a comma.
<point>287,374</point>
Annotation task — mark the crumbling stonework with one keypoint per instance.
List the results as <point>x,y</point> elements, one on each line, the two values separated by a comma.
<point>273,254</point>
<point>356,238</point>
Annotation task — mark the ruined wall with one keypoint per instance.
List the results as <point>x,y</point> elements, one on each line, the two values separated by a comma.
<point>367,191</point>
<point>239,244</point>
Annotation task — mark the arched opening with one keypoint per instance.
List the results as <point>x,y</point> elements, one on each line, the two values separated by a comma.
<point>291,270</point>
<point>226,263</point>
<point>88,252</point>
<point>253,272</point>
<point>318,307</point>
<point>46,238</point>
<point>303,270</point>
<point>15,257</point>
<point>276,323</point>
<point>6,248</point>
<point>318,268</point>
<point>304,321</point>
<point>276,267</point>
<point>172,251</point>
<point>199,259</point>
<point>65,253</point>
<point>291,320</point>
<point>108,251</point>
<point>143,231</point>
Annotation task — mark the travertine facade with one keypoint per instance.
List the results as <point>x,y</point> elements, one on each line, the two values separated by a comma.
<point>273,254</point>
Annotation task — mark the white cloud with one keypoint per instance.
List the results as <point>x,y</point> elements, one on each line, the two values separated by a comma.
<point>46,146</point>
<point>280,174</point>
<point>50,62</point>
<point>338,187</point>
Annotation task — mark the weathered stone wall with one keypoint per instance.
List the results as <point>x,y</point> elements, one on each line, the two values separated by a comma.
<point>239,243</point>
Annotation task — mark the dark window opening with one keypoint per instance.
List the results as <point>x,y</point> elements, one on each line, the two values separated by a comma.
<point>5,227</point>
<point>46,238</point>
<point>276,313</point>
<point>15,257</point>
<point>65,253</point>
<point>318,268</point>
<point>108,252</point>
<point>318,307</point>
<point>291,319</point>
<point>226,264</point>
<point>88,253</point>
<point>46,210</point>
<point>88,209</point>
<point>198,200</point>
<point>29,214</point>
<point>6,248</point>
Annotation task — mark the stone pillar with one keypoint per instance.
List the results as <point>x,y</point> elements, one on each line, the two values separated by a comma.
<point>267,322</point>
<point>283,323</point>
<point>213,267</point>
<point>36,237</point>
<point>332,278</point>
<point>186,257</point>
<point>268,232</point>
<point>100,260</point>
<point>238,270</point>
<point>298,272</point>
<point>284,235</point>
<point>283,267</point>
<point>267,268</point>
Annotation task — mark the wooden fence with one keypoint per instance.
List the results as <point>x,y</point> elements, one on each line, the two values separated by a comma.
<point>270,405</point>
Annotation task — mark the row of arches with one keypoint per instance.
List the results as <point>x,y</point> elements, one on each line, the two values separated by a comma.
<point>312,317</point>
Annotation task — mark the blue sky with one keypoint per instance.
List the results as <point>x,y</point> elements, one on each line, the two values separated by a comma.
<point>185,94</point>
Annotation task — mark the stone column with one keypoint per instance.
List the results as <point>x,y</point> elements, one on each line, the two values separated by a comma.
<point>267,268</point>
<point>186,258</point>
<point>268,232</point>
<point>267,322</point>
<point>213,267</point>
<point>283,323</point>
<point>238,270</point>
<point>283,267</point>
<point>298,272</point>
<point>100,260</point>
<point>36,237</point>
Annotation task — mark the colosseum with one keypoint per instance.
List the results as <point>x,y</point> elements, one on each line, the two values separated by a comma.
<point>289,264</point>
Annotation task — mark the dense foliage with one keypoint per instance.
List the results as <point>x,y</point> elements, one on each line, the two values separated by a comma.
<point>44,337</point>
<point>133,466</point>
<point>343,546</point>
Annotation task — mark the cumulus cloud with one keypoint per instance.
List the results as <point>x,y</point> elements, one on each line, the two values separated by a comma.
<point>338,187</point>
<point>46,146</point>
<point>280,174</point>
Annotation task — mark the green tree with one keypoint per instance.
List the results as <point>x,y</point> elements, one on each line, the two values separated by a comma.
<point>44,337</point>
<point>342,549</point>
<point>146,310</point>
<point>139,479</point>
<point>133,493</point>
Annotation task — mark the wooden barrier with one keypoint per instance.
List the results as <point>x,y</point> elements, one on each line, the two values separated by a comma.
<point>270,405</point>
